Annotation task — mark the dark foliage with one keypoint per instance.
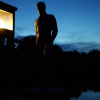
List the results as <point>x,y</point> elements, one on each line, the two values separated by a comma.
<point>20,69</point>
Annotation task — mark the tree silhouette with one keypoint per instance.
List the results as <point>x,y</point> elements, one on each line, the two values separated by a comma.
<point>70,69</point>
<point>27,42</point>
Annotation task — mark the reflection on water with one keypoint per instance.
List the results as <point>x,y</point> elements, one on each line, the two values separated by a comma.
<point>89,95</point>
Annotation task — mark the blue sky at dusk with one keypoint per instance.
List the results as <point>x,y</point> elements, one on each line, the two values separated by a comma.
<point>78,22</point>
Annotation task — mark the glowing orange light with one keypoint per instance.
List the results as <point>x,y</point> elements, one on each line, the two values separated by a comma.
<point>2,24</point>
<point>6,20</point>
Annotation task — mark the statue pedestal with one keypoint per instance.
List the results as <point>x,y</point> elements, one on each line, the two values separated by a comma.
<point>39,95</point>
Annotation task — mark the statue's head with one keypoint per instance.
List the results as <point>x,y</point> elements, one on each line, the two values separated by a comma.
<point>41,7</point>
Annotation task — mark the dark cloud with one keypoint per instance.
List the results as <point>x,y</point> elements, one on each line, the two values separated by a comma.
<point>21,28</point>
<point>24,31</point>
<point>19,37</point>
<point>62,30</point>
<point>80,46</point>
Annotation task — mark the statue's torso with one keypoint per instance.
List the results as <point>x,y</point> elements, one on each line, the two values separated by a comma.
<point>43,27</point>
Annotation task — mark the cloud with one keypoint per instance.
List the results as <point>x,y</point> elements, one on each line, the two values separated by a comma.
<point>80,46</point>
<point>77,36</point>
<point>62,30</point>
<point>19,37</point>
<point>24,31</point>
<point>21,28</point>
<point>70,36</point>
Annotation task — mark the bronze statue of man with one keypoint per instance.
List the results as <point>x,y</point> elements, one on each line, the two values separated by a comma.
<point>44,25</point>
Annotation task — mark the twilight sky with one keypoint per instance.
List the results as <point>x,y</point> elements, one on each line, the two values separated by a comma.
<point>78,22</point>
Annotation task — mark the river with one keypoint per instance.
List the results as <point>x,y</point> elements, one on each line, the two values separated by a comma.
<point>88,95</point>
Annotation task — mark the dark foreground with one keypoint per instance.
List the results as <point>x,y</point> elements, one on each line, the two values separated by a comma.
<point>19,70</point>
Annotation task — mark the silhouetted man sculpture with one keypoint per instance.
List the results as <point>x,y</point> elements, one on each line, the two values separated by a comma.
<point>44,43</point>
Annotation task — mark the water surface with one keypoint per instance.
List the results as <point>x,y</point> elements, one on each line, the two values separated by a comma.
<point>89,95</point>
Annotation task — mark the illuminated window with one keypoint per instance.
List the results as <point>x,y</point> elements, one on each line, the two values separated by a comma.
<point>6,20</point>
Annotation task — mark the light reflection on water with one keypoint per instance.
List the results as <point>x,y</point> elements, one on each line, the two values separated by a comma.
<point>89,95</point>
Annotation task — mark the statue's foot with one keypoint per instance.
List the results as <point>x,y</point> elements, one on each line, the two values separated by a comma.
<point>47,89</point>
<point>41,87</point>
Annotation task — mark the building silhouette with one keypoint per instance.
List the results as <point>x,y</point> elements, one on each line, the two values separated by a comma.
<point>7,24</point>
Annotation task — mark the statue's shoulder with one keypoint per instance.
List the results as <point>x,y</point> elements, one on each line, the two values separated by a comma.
<point>51,16</point>
<point>37,20</point>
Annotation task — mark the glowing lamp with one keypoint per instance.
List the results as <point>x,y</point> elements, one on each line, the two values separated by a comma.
<point>7,24</point>
<point>6,20</point>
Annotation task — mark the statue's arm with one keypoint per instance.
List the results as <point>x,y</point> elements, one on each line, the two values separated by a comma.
<point>54,28</point>
<point>35,26</point>
<point>36,44</point>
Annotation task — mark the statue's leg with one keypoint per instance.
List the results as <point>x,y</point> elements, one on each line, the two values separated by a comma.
<point>46,68</point>
<point>39,53</point>
<point>48,49</point>
<point>47,73</point>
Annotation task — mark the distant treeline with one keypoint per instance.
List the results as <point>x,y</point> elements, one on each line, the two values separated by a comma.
<point>20,69</point>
